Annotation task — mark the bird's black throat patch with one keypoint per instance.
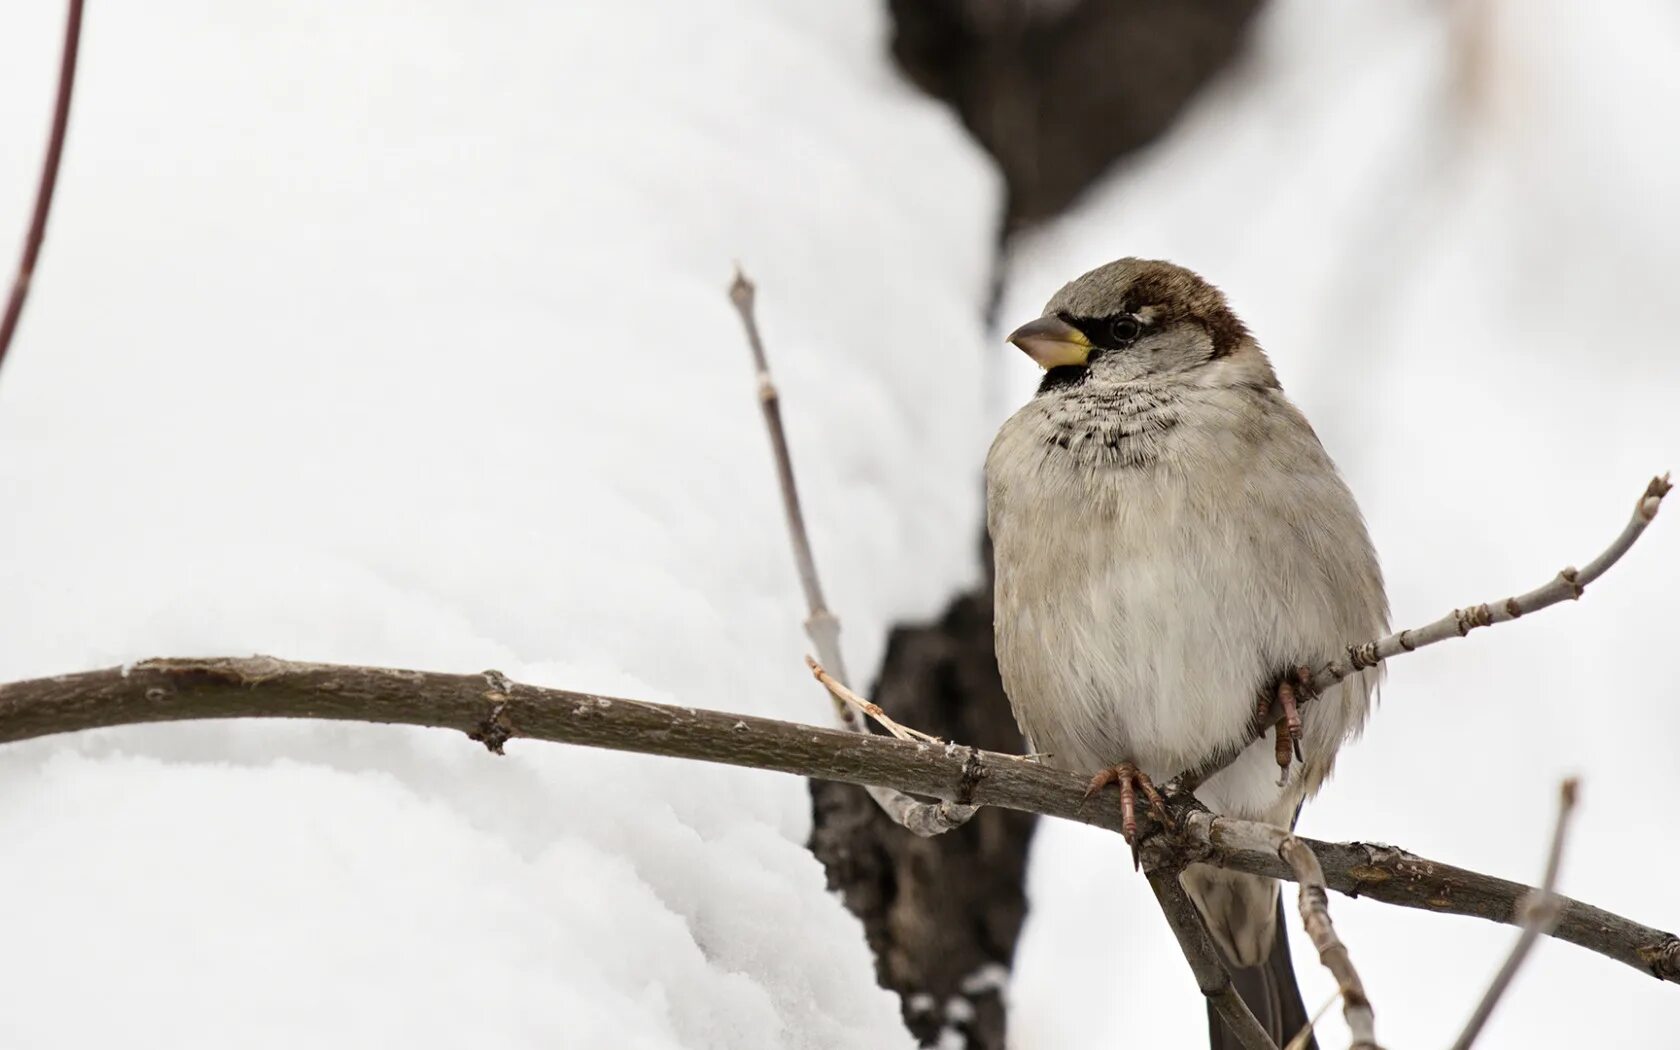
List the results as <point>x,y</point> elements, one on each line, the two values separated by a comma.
<point>1063,377</point>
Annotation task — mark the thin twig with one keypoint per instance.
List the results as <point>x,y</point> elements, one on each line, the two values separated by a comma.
<point>49,179</point>
<point>493,710</point>
<point>1305,1034</point>
<point>1567,585</point>
<point>1211,976</point>
<point>822,627</point>
<point>1315,916</point>
<point>867,707</point>
<point>1544,910</point>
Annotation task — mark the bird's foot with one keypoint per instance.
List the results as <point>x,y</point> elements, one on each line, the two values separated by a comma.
<point>1131,780</point>
<point>1291,687</point>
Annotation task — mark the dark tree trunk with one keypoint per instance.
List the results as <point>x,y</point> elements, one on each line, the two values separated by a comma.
<point>941,914</point>
<point>1056,91</point>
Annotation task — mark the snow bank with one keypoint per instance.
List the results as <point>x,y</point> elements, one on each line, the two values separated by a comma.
<point>397,335</point>
<point>1468,286</point>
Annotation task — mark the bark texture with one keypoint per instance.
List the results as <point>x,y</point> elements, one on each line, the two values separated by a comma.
<point>493,711</point>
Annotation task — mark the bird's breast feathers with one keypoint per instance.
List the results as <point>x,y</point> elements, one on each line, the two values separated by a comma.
<point>1143,600</point>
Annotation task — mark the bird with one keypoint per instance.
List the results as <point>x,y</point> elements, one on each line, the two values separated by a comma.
<point>1172,549</point>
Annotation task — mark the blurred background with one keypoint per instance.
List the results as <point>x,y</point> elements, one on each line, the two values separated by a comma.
<point>396,334</point>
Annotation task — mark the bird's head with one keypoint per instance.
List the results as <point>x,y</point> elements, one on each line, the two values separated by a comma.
<point>1136,319</point>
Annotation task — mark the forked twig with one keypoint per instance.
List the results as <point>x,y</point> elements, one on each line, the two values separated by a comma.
<point>1544,908</point>
<point>821,625</point>
<point>873,710</point>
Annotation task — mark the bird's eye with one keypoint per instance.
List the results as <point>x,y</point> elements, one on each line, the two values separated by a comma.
<point>1124,329</point>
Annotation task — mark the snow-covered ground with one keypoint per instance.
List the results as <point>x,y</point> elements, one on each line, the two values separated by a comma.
<point>1468,284</point>
<point>396,334</point>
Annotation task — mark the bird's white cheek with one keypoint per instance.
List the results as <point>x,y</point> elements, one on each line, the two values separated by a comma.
<point>1119,366</point>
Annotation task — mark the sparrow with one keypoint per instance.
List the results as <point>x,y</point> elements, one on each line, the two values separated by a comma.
<point>1172,546</point>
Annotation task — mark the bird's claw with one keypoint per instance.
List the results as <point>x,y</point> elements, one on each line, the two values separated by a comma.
<point>1289,729</point>
<point>1131,780</point>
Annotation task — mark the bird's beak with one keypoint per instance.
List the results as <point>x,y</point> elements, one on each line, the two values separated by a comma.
<point>1052,342</point>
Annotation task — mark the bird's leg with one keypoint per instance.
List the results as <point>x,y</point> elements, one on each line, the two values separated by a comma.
<point>1303,691</point>
<point>1283,751</point>
<point>1285,696</point>
<point>1131,780</point>
<point>1291,717</point>
<point>1285,748</point>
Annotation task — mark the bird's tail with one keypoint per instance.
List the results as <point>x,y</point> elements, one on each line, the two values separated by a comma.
<point>1270,991</point>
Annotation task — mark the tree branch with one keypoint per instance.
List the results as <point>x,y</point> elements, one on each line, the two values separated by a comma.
<point>1211,976</point>
<point>821,625</point>
<point>1544,910</point>
<point>1394,876</point>
<point>493,710</point>
<point>1568,584</point>
<point>840,692</point>
<point>1315,915</point>
<point>49,179</point>
<point>1272,844</point>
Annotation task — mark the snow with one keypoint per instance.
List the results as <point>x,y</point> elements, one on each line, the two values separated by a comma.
<point>397,335</point>
<point>1467,285</point>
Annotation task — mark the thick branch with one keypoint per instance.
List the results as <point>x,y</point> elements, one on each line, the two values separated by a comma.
<point>491,709</point>
<point>1211,976</point>
<point>821,625</point>
<point>37,234</point>
<point>1567,585</point>
<point>1394,876</point>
